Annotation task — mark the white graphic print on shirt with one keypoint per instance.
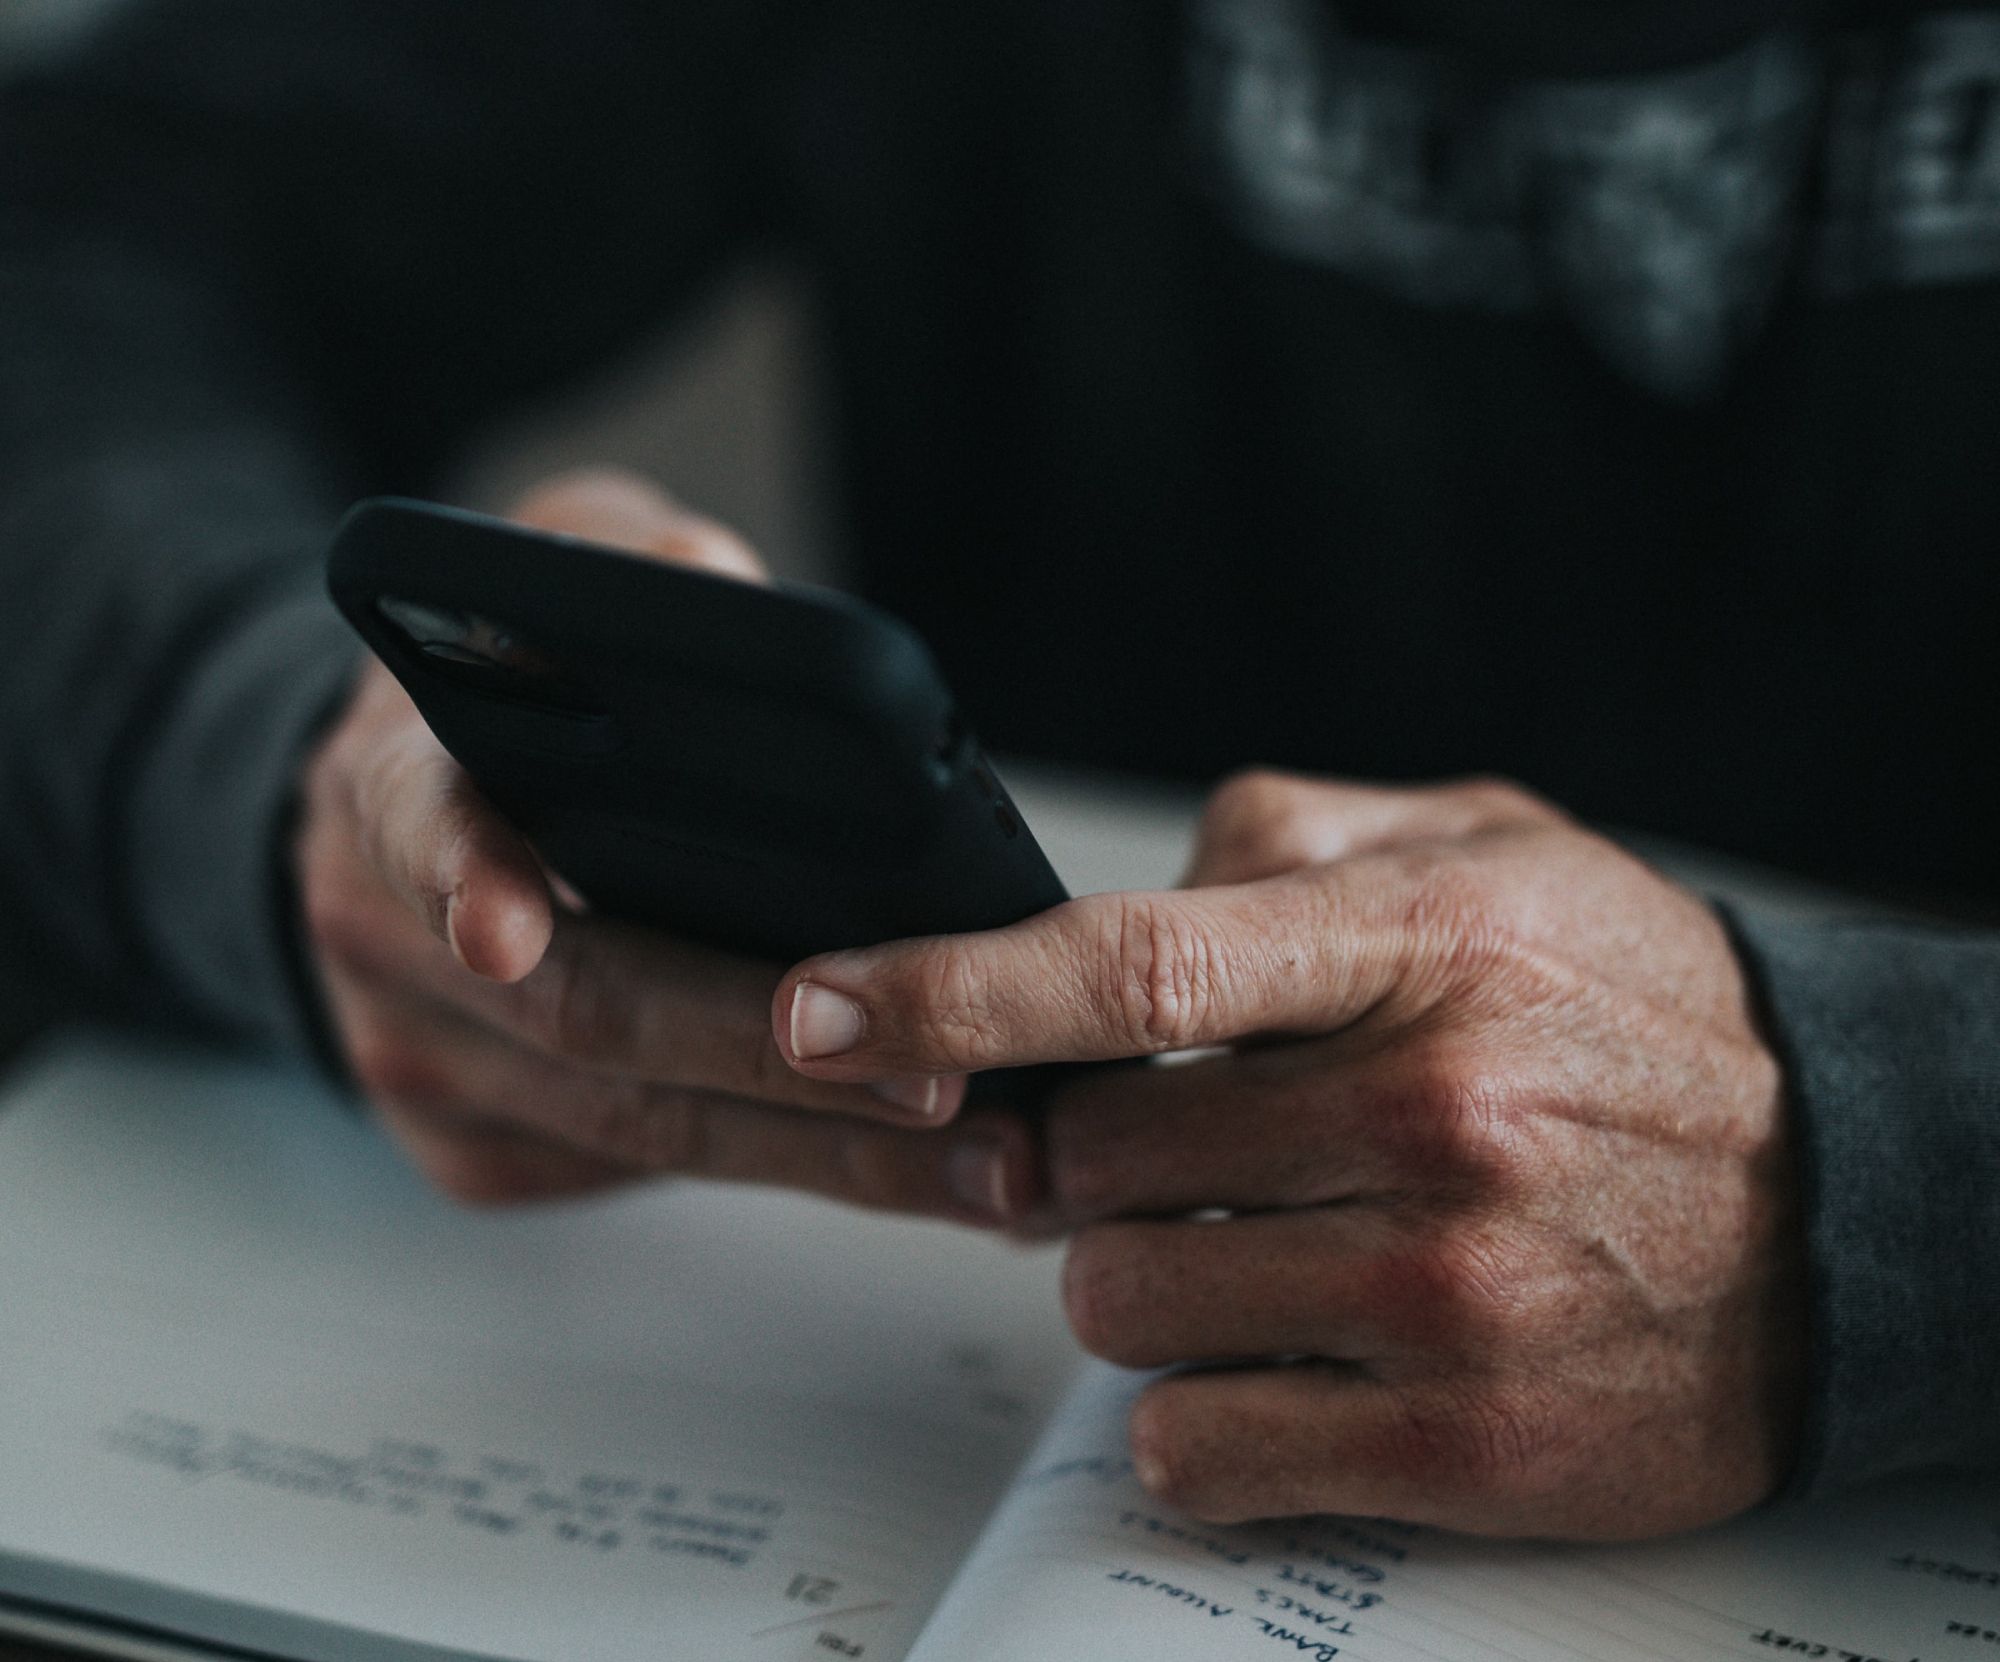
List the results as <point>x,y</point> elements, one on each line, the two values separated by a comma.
<point>1661,212</point>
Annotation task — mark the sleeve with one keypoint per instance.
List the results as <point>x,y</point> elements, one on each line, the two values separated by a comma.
<point>257,260</point>
<point>1890,1035</point>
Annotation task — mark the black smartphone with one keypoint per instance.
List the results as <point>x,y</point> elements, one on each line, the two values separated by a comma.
<point>777,771</point>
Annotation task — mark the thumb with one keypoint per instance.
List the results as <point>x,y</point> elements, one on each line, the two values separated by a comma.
<point>1105,977</point>
<point>440,846</point>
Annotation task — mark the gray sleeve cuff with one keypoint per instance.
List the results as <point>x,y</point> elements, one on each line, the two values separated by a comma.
<point>1890,1037</point>
<point>212,812</point>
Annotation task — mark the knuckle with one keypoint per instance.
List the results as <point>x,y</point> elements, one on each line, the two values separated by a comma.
<point>1471,1144</point>
<point>1495,798</point>
<point>1482,1439</point>
<point>1472,933</point>
<point>1104,1294</point>
<point>1163,974</point>
<point>1253,798</point>
<point>1446,1122</point>
<point>1451,902</point>
<point>1452,1294</point>
<point>1262,820</point>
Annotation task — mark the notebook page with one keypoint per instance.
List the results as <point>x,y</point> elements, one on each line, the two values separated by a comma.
<point>1080,1564</point>
<point>261,1387</point>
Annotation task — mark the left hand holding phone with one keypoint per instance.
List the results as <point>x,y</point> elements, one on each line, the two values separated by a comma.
<point>519,1048</point>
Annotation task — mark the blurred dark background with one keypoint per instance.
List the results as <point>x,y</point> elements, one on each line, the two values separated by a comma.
<point>722,409</point>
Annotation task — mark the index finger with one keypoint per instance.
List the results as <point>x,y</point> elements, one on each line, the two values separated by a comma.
<point>1110,976</point>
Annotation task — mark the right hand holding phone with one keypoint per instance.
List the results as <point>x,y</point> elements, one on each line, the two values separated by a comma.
<point>519,1048</point>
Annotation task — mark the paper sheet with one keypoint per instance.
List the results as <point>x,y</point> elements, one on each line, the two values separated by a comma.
<point>1080,1564</point>
<point>260,1386</point>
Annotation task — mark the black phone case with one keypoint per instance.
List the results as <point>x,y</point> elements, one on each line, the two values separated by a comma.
<point>775,771</point>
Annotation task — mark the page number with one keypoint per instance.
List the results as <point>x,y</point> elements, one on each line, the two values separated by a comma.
<point>812,1589</point>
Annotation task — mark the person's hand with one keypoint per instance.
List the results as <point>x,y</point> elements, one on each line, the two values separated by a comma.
<point>518,1048</point>
<point>1489,1206</point>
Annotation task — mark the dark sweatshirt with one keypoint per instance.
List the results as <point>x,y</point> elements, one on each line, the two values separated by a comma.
<point>1605,394</point>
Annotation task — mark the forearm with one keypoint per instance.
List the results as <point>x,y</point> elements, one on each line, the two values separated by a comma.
<point>162,506</point>
<point>1891,1040</point>
<point>256,261</point>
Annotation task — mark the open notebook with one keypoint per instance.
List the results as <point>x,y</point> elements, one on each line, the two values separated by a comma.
<point>261,1394</point>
